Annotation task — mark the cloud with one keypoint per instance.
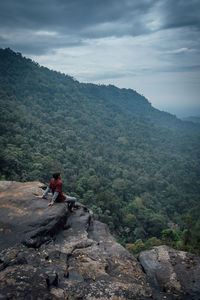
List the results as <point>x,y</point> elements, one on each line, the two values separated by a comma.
<point>37,42</point>
<point>178,51</point>
<point>180,13</point>
<point>71,15</point>
<point>43,33</point>
<point>122,57</point>
<point>54,24</point>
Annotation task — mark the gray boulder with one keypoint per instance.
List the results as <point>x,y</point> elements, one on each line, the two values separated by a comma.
<point>172,272</point>
<point>26,219</point>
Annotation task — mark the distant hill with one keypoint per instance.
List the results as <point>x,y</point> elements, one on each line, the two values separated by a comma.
<point>194,119</point>
<point>135,166</point>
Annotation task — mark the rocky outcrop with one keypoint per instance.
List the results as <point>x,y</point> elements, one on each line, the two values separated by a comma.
<point>24,218</point>
<point>49,253</point>
<point>172,272</point>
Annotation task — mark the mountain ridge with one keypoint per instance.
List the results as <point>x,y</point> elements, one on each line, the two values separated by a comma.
<point>111,92</point>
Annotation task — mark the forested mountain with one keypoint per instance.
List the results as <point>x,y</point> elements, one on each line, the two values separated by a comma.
<point>135,166</point>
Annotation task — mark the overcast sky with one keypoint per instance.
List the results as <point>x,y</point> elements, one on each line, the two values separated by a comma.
<point>151,46</point>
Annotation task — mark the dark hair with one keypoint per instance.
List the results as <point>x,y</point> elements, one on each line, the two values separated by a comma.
<point>56,175</point>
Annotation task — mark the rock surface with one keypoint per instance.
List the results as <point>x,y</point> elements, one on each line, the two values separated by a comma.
<point>174,272</point>
<point>49,253</point>
<point>24,218</point>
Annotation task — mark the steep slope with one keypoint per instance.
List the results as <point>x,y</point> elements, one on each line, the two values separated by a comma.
<point>135,166</point>
<point>50,253</point>
<point>27,81</point>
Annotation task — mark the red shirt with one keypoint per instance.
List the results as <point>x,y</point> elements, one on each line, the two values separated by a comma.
<point>56,186</point>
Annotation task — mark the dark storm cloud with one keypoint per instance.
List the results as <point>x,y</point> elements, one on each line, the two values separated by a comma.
<point>72,20</point>
<point>180,13</point>
<point>70,14</point>
<point>75,20</point>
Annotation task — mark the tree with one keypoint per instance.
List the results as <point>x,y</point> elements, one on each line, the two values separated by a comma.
<point>169,236</point>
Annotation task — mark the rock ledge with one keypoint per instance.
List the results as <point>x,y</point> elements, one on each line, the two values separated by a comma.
<point>49,253</point>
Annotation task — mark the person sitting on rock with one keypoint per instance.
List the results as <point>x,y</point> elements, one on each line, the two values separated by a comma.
<point>55,186</point>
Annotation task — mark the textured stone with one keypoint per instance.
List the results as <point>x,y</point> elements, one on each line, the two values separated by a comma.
<point>24,218</point>
<point>50,253</point>
<point>172,271</point>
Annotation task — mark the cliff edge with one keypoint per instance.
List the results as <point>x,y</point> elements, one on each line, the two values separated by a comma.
<point>50,253</point>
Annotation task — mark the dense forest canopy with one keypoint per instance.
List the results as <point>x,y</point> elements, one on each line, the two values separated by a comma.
<point>135,166</point>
